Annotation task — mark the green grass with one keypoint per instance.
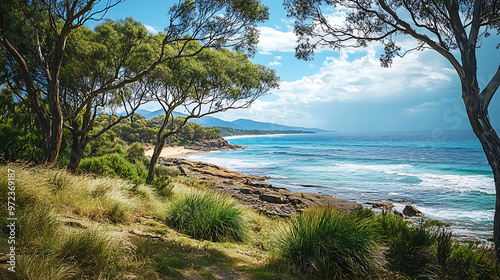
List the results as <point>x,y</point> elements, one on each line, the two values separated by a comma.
<point>326,244</point>
<point>410,248</point>
<point>208,216</point>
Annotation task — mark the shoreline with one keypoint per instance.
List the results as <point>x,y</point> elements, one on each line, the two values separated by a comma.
<point>172,152</point>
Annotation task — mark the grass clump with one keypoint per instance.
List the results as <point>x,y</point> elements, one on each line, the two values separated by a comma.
<point>93,248</point>
<point>209,216</point>
<point>410,248</point>
<point>326,244</point>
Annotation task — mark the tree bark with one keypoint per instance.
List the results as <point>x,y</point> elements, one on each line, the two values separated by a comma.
<point>484,131</point>
<point>77,149</point>
<point>154,159</point>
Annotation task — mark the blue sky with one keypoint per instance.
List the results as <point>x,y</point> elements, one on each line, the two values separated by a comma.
<point>348,90</point>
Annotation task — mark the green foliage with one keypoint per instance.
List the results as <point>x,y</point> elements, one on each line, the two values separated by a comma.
<point>410,248</point>
<point>456,261</point>
<point>105,145</point>
<point>20,134</point>
<point>326,244</point>
<point>135,152</point>
<point>208,216</point>
<point>114,165</point>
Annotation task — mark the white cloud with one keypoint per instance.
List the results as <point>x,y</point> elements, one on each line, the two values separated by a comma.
<point>151,29</point>
<point>277,63</point>
<point>277,57</point>
<point>352,79</point>
<point>271,40</point>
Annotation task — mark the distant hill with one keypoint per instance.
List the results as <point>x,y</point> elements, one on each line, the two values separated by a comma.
<point>209,121</point>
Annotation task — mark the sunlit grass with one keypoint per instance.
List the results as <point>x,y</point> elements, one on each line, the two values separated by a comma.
<point>327,244</point>
<point>210,216</point>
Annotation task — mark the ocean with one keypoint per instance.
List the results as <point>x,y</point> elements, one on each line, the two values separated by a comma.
<point>444,174</point>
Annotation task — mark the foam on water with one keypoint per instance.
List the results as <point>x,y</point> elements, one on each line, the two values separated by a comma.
<point>447,178</point>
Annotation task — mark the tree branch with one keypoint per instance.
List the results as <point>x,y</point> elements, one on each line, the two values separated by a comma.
<point>490,89</point>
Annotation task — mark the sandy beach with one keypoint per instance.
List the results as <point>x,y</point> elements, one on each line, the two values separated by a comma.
<point>172,152</point>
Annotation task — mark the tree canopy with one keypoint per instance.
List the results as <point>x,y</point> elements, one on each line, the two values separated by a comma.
<point>34,36</point>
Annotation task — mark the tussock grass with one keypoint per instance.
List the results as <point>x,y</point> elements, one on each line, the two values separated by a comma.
<point>37,227</point>
<point>209,216</point>
<point>43,267</point>
<point>95,248</point>
<point>326,244</point>
<point>410,248</point>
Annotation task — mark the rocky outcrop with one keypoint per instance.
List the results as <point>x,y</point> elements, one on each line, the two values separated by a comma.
<point>212,145</point>
<point>411,211</point>
<point>252,191</point>
<point>384,205</point>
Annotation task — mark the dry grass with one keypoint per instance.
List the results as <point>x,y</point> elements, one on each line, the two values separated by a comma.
<point>78,226</point>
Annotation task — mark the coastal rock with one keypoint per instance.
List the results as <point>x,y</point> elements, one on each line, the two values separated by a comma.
<point>251,191</point>
<point>212,145</point>
<point>273,197</point>
<point>412,211</point>
<point>397,213</point>
<point>387,206</point>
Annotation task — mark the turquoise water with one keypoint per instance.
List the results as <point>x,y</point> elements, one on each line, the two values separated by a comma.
<point>442,173</point>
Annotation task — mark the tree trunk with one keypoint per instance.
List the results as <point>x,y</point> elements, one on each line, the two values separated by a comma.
<point>154,159</point>
<point>52,139</point>
<point>77,149</point>
<point>484,131</point>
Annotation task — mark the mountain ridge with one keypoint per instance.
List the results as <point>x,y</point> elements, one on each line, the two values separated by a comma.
<point>245,124</point>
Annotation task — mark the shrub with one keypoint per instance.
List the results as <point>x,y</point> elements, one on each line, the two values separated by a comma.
<point>456,261</point>
<point>327,244</point>
<point>163,172</point>
<point>410,248</point>
<point>164,187</point>
<point>209,216</point>
<point>114,164</point>
<point>135,151</point>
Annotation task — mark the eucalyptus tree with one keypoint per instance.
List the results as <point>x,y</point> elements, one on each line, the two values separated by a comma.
<point>213,81</point>
<point>448,27</point>
<point>93,58</point>
<point>34,34</point>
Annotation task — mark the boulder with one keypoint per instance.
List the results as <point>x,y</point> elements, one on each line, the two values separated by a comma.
<point>412,211</point>
<point>387,206</point>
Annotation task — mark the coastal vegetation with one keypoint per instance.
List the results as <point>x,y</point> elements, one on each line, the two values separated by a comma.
<point>87,226</point>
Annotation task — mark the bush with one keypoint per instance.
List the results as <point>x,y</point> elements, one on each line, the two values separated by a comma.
<point>135,152</point>
<point>114,164</point>
<point>208,216</point>
<point>410,248</point>
<point>456,261</point>
<point>164,187</point>
<point>327,244</point>
<point>163,172</point>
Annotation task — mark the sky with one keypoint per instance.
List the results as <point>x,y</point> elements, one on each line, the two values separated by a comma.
<point>347,90</point>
